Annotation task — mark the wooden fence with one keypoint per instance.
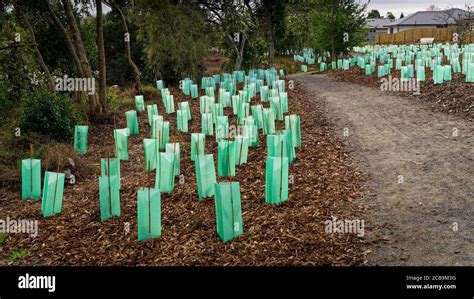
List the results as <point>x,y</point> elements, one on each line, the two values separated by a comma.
<point>441,35</point>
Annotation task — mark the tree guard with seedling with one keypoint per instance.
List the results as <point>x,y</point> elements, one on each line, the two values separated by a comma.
<point>132,122</point>
<point>139,103</point>
<point>197,145</point>
<point>194,91</point>
<point>263,93</point>
<point>250,131</point>
<point>52,193</point>
<point>276,180</point>
<point>292,124</point>
<point>205,104</point>
<point>152,149</point>
<point>31,177</point>
<point>241,149</point>
<point>470,72</point>
<point>228,210</point>
<point>257,114</point>
<point>284,101</point>
<point>268,121</point>
<point>281,141</point>
<point>149,213</point>
<point>168,102</point>
<point>161,132</point>
<point>165,172</point>
<point>160,85</point>
<point>235,104</point>
<point>226,158</point>
<point>151,110</point>
<point>207,125</point>
<point>222,127</point>
<point>217,110</point>
<point>80,139</point>
<point>109,193</point>
<point>243,112</point>
<point>210,91</point>
<point>174,149</point>
<point>447,73</point>
<point>185,106</point>
<point>182,120</point>
<point>438,74</point>
<point>121,143</point>
<point>110,167</point>
<point>205,175</point>
<point>277,107</point>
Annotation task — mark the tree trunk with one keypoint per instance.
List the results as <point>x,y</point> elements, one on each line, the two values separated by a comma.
<point>67,38</point>
<point>240,53</point>
<point>45,68</point>
<point>128,52</point>
<point>101,53</point>
<point>95,108</point>
<point>271,42</point>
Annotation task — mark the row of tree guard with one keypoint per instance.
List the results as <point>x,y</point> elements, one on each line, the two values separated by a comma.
<point>411,60</point>
<point>164,157</point>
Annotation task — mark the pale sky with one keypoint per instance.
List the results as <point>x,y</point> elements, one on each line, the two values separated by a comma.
<point>411,6</point>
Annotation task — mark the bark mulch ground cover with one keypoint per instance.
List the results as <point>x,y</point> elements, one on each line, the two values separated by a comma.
<point>453,97</point>
<point>325,184</point>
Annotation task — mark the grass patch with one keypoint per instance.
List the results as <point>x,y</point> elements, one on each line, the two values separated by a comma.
<point>18,255</point>
<point>2,239</point>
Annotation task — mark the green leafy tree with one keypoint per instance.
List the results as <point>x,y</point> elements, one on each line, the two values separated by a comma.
<point>373,14</point>
<point>174,36</point>
<point>390,16</point>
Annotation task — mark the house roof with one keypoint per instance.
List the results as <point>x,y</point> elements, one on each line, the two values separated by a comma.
<point>377,22</point>
<point>442,17</point>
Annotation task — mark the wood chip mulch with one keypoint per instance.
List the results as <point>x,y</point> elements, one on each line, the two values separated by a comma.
<point>454,97</point>
<point>325,185</point>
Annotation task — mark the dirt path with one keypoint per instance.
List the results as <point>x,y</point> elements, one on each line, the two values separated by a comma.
<point>421,201</point>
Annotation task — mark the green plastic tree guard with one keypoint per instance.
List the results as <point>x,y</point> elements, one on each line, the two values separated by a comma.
<point>132,122</point>
<point>109,195</point>
<point>228,210</point>
<point>110,166</point>
<point>182,120</point>
<point>139,103</point>
<point>80,139</point>
<point>217,110</point>
<point>185,106</point>
<point>276,180</point>
<point>292,123</point>
<point>151,110</point>
<point>243,112</point>
<point>169,104</point>
<point>121,143</point>
<point>205,175</point>
<point>420,73</point>
<point>205,104</point>
<point>52,193</point>
<point>197,145</point>
<point>276,106</point>
<point>165,172</point>
<point>194,91</point>
<point>257,114</point>
<point>404,74</point>
<point>161,132</point>
<point>284,101</point>
<point>470,72</point>
<point>250,131</point>
<point>438,74</point>
<point>263,93</point>
<point>152,149</point>
<point>174,149</point>
<point>207,125</point>
<point>268,121</point>
<point>447,73</point>
<point>226,158</point>
<point>149,213</point>
<point>222,127</point>
<point>210,91</point>
<point>235,104</point>
<point>241,149</point>
<point>31,179</point>
<point>160,85</point>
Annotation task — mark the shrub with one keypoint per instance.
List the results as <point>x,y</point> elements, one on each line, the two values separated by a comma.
<point>49,114</point>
